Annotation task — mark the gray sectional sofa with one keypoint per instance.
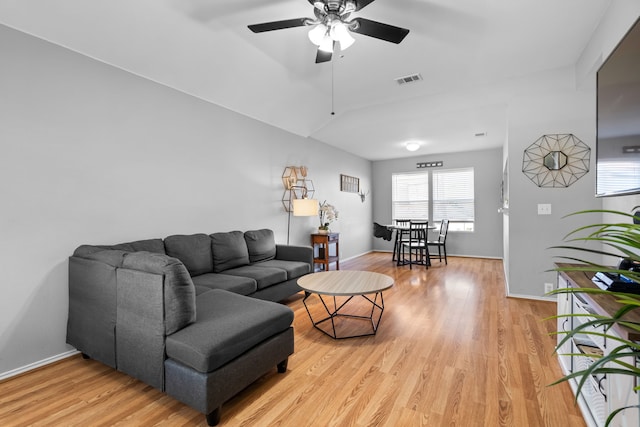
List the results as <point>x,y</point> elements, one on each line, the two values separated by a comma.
<point>193,315</point>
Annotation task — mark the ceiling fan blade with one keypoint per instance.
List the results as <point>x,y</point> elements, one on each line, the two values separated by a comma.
<point>361,4</point>
<point>379,30</point>
<point>278,25</point>
<point>323,56</point>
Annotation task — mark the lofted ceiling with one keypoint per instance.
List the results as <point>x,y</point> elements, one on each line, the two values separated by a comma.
<point>465,51</point>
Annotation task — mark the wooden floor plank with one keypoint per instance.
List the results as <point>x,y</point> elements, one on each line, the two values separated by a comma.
<point>451,350</point>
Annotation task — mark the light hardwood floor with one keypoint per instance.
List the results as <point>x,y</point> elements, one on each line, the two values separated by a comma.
<point>451,350</point>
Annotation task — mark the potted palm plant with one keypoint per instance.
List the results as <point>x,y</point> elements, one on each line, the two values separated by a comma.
<point>620,240</point>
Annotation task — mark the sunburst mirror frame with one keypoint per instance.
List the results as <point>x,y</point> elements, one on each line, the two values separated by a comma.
<point>556,160</point>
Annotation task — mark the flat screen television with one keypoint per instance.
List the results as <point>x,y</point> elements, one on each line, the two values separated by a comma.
<point>618,123</point>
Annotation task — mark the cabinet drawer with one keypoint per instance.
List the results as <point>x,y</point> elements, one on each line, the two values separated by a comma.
<point>597,400</point>
<point>582,309</point>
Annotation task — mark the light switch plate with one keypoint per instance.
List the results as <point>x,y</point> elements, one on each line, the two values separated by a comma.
<point>544,209</point>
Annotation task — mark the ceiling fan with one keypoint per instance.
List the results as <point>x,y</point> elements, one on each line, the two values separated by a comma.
<point>331,25</point>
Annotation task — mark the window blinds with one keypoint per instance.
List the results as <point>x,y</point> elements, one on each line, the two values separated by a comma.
<point>453,195</point>
<point>410,196</point>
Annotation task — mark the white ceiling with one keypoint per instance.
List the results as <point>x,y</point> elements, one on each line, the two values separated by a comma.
<point>465,51</point>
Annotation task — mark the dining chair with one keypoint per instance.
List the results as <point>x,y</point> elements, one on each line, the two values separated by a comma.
<point>415,250</point>
<point>402,235</point>
<point>441,243</point>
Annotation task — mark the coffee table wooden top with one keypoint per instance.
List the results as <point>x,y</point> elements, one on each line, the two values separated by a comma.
<point>345,282</point>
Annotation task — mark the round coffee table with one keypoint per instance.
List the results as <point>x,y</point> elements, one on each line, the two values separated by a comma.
<point>350,284</point>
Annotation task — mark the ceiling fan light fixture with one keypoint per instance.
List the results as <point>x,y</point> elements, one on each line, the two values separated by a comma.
<point>326,45</point>
<point>340,33</point>
<point>344,44</point>
<point>331,24</point>
<point>317,34</point>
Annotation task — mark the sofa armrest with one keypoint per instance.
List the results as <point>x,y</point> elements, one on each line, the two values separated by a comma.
<point>92,309</point>
<point>140,332</point>
<point>295,253</point>
<point>155,297</point>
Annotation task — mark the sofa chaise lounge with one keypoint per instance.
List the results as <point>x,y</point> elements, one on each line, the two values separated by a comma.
<point>195,315</point>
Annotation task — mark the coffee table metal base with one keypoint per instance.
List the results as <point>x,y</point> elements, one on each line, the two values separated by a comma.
<point>333,313</point>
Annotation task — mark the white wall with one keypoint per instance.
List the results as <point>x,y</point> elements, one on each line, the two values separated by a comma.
<point>486,240</point>
<point>93,154</point>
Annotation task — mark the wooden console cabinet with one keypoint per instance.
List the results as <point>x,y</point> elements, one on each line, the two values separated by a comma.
<point>322,254</point>
<point>601,394</point>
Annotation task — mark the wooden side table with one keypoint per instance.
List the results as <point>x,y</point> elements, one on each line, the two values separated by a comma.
<point>325,258</point>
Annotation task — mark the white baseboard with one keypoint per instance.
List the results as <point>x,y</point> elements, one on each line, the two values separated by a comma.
<point>38,364</point>
<point>448,255</point>
<point>533,297</point>
<point>356,256</point>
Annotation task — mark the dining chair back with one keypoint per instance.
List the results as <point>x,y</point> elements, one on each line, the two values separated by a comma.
<point>441,243</point>
<point>415,250</point>
<point>402,235</point>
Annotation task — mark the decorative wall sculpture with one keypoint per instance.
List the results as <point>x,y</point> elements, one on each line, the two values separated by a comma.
<point>556,160</point>
<point>296,185</point>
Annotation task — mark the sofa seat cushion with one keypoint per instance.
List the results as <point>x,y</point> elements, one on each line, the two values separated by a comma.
<point>294,269</point>
<point>201,289</point>
<point>193,250</point>
<point>264,276</point>
<point>227,326</point>
<point>236,284</point>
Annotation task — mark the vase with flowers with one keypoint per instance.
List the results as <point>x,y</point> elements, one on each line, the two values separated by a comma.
<point>327,214</point>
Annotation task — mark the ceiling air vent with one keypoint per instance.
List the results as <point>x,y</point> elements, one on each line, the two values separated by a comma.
<point>408,79</point>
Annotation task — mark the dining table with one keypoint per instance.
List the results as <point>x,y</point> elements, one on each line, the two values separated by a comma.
<point>399,229</point>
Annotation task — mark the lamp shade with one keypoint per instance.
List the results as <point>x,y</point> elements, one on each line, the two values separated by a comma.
<point>317,33</point>
<point>305,207</point>
<point>340,33</point>
<point>326,45</point>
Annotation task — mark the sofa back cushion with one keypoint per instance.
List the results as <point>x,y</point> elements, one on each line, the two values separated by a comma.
<point>149,245</point>
<point>229,250</point>
<point>112,257</point>
<point>261,245</point>
<point>179,291</point>
<point>193,250</point>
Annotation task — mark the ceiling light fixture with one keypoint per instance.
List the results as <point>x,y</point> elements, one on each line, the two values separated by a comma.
<point>412,146</point>
<point>326,45</point>
<point>323,36</point>
<point>317,33</point>
<point>332,20</point>
<point>340,33</point>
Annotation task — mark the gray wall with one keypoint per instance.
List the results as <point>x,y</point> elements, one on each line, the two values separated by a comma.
<point>530,235</point>
<point>620,16</point>
<point>559,101</point>
<point>93,154</point>
<point>486,240</point>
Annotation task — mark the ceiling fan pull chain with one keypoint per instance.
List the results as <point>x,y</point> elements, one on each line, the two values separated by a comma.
<point>333,113</point>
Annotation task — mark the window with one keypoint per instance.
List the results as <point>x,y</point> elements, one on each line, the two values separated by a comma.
<point>452,197</point>
<point>410,196</point>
